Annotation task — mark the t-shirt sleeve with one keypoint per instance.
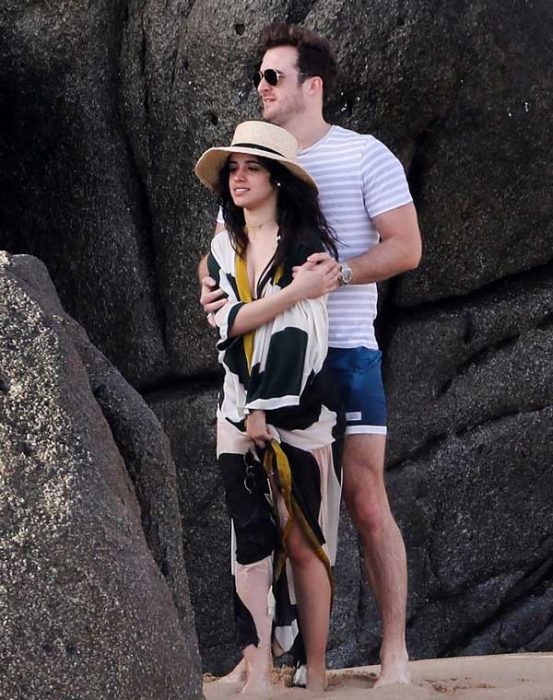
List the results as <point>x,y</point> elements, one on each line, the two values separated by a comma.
<point>220,219</point>
<point>384,183</point>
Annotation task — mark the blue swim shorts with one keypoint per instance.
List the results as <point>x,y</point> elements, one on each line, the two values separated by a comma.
<point>358,373</point>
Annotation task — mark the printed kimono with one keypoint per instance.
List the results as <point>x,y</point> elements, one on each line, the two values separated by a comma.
<point>277,368</point>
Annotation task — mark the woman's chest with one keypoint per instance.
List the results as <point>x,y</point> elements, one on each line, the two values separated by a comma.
<point>258,263</point>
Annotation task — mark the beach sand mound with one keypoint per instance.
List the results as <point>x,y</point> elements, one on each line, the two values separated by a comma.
<point>502,677</point>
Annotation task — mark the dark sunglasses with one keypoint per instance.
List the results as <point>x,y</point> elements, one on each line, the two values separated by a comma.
<point>271,76</point>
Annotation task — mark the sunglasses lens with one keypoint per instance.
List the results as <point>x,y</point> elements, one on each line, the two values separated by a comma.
<point>271,76</point>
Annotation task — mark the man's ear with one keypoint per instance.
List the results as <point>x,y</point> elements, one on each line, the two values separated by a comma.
<point>314,85</point>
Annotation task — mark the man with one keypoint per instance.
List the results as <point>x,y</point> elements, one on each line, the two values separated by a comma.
<point>365,198</point>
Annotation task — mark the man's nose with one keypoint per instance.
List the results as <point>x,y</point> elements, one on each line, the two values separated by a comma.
<point>263,86</point>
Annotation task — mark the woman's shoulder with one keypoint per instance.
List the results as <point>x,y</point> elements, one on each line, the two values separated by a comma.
<point>307,242</point>
<point>221,243</point>
<point>222,250</point>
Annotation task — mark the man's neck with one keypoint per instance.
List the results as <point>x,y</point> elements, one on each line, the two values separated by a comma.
<point>307,130</point>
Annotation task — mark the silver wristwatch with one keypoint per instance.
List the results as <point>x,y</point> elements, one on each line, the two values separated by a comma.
<point>346,274</point>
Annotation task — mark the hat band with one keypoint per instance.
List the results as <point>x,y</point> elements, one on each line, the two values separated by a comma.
<point>261,148</point>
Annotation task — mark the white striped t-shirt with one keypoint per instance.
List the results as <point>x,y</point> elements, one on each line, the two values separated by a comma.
<point>358,179</point>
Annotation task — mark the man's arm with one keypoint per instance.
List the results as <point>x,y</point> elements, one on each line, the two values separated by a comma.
<point>399,249</point>
<point>311,287</point>
<point>211,297</point>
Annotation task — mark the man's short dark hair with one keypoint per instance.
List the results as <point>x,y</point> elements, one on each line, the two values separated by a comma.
<point>315,53</point>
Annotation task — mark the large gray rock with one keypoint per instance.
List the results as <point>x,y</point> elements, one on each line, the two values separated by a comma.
<point>477,517</point>
<point>189,421</point>
<point>71,193</point>
<point>467,362</point>
<point>88,611</point>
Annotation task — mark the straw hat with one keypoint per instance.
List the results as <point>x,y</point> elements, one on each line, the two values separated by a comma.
<point>258,139</point>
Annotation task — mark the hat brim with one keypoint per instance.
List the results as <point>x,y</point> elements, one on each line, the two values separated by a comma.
<point>210,163</point>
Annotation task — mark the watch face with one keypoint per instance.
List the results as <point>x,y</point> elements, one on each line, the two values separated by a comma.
<point>346,274</point>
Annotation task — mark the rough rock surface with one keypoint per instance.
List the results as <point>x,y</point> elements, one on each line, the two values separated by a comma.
<point>106,109</point>
<point>189,421</point>
<point>70,190</point>
<point>87,612</point>
<point>477,521</point>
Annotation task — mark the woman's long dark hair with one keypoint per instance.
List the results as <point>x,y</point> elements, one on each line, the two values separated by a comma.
<point>299,216</point>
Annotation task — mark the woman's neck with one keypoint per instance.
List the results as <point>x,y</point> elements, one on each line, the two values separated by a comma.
<point>260,223</point>
<point>261,229</point>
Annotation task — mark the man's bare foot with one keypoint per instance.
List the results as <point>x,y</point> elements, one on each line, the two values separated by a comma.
<point>237,675</point>
<point>394,669</point>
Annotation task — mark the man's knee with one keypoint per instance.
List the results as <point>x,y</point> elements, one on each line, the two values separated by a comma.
<point>370,512</point>
<point>365,496</point>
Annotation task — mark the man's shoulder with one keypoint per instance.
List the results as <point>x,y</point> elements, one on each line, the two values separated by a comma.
<point>343,135</point>
<point>349,143</point>
<point>340,133</point>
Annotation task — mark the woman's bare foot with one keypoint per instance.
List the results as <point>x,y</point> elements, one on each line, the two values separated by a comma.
<point>258,670</point>
<point>315,678</point>
<point>394,669</point>
<point>237,675</point>
<point>260,687</point>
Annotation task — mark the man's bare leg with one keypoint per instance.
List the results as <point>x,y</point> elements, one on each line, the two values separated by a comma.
<point>383,547</point>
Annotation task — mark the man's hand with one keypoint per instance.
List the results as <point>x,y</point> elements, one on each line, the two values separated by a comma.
<point>211,298</point>
<point>317,276</point>
<point>256,428</point>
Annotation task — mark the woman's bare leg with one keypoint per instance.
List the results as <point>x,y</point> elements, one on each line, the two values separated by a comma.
<point>252,585</point>
<point>313,595</point>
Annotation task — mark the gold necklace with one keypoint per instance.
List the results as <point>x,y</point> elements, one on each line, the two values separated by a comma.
<point>256,227</point>
<point>253,231</point>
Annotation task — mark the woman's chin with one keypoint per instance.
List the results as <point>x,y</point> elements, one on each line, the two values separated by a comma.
<point>239,201</point>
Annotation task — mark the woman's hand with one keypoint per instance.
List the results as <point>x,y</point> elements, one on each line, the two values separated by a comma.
<point>256,428</point>
<point>316,277</point>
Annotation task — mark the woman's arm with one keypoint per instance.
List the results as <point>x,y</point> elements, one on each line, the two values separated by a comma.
<point>307,284</point>
<point>286,353</point>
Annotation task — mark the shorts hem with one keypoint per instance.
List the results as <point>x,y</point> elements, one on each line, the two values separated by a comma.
<point>366,430</point>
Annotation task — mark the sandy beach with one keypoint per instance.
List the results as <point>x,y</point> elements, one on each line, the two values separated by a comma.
<point>502,677</point>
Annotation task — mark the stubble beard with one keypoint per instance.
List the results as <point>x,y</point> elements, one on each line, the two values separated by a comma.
<point>283,113</point>
<point>271,118</point>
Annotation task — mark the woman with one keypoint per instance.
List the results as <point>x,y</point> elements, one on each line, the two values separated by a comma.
<point>275,423</point>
